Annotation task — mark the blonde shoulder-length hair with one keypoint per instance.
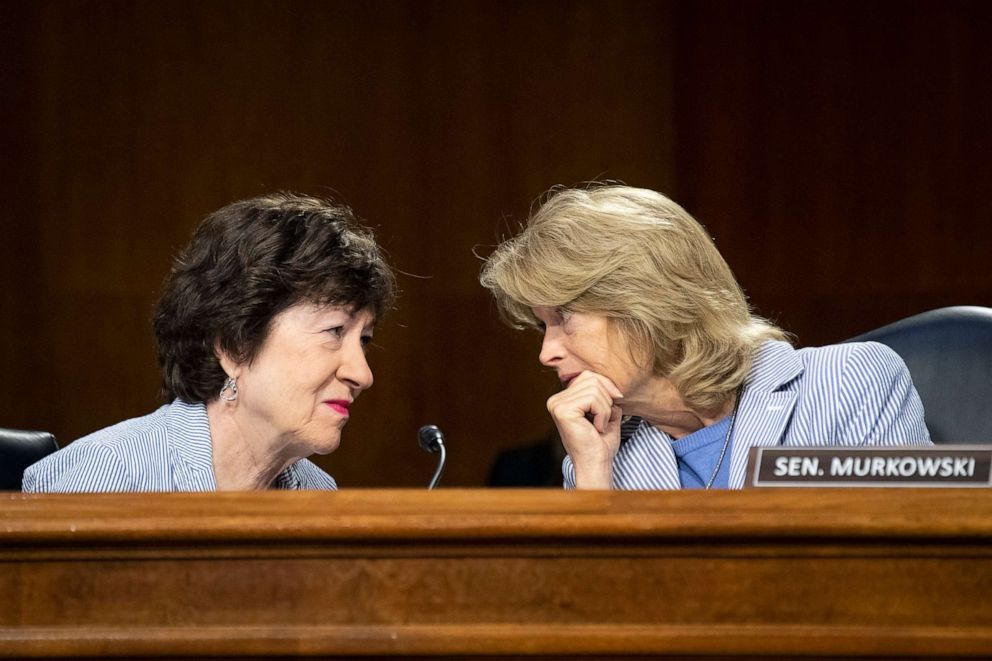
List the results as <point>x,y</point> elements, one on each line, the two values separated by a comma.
<point>641,260</point>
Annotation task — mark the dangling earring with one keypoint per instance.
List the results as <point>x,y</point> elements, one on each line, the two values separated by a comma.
<point>230,385</point>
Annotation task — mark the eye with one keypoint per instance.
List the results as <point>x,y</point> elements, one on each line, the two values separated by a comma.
<point>336,331</point>
<point>366,340</point>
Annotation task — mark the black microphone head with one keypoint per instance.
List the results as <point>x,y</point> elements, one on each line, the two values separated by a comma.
<point>430,438</point>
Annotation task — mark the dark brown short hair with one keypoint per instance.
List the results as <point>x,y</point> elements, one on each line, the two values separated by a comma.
<point>245,264</point>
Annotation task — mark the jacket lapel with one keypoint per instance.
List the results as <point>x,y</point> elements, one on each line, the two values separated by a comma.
<point>765,407</point>
<point>190,448</point>
<point>646,461</point>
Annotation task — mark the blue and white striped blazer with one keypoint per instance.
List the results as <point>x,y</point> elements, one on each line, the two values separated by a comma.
<point>168,450</point>
<point>853,394</point>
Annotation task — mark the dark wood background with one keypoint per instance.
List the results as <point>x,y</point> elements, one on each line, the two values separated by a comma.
<point>839,153</point>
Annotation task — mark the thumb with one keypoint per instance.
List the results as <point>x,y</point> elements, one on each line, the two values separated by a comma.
<point>616,417</point>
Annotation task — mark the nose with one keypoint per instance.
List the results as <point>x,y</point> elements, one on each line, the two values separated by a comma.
<point>551,348</point>
<point>354,369</point>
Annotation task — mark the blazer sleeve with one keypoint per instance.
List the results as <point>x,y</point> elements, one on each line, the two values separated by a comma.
<point>568,473</point>
<point>878,404</point>
<point>84,468</point>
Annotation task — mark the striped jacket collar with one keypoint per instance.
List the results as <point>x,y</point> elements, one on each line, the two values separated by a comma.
<point>191,449</point>
<point>762,416</point>
<point>766,404</point>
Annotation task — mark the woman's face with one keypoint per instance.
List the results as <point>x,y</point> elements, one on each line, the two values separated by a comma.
<point>578,341</point>
<point>308,372</point>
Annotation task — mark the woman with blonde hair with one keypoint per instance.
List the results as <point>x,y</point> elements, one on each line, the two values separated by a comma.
<point>648,330</point>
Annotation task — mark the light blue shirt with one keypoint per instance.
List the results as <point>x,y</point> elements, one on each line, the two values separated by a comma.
<point>168,450</point>
<point>698,453</point>
<point>852,394</point>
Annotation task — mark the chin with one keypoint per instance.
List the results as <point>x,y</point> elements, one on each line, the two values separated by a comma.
<point>323,442</point>
<point>326,446</point>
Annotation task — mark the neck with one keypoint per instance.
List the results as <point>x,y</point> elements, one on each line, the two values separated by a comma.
<point>659,402</point>
<point>242,460</point>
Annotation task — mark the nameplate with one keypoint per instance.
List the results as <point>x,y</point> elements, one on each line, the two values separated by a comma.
<point>941,466</point>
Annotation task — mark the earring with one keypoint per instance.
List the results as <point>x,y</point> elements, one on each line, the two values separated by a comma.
<point>230,385</point>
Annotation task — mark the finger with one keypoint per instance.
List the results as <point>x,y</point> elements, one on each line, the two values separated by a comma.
<point>608,418</point>
<point>601,406</point>
<point>603,381</point>
<point>599,421</point>
<point>590,398</point>
<point>616,419</point>
<point>611,388</point>
<point>616,414</point>
<point>592,384</point>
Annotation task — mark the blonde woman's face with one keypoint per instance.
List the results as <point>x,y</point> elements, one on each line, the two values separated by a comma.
<point>575,342</point>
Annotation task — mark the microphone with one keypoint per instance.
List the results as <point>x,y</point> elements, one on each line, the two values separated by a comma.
<point>432,440</point>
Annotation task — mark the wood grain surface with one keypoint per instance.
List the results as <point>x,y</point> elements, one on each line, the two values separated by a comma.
<point>474,573</point>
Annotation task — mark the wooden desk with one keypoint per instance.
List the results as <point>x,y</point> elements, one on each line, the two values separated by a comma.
<point>500,574</point>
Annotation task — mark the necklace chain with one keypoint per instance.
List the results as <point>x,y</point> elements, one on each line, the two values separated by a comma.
<point>726,439</point>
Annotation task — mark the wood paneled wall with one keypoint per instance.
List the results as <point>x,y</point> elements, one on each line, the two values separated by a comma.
<point>836,152</point>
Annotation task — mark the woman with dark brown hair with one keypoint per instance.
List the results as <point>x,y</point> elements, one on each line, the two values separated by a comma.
<point>261,333</point>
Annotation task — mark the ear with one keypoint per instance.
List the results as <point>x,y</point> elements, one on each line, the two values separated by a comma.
<point>230,366</point>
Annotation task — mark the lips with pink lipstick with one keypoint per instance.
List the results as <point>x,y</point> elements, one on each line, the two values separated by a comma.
<point>567,379</point>
<point>340,406</point>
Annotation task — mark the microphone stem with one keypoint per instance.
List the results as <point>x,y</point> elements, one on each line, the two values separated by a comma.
<point>439,469</point>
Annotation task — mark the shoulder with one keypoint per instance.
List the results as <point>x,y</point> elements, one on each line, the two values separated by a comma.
<point>106,460</point>
<point>305,474</point>
<point>853,363</point>
<point>868,390</point>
